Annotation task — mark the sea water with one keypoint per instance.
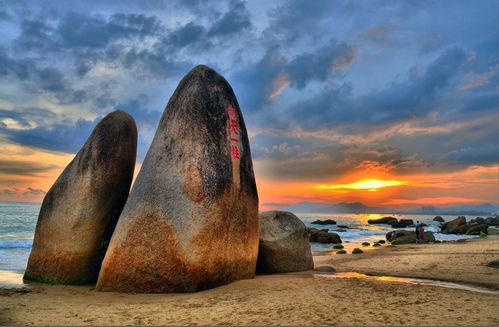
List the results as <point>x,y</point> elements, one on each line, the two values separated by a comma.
<point>18,221</point>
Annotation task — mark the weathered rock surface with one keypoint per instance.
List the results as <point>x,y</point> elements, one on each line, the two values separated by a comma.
<point>323,236</point>
<point>191,220</point>
<point>81,209</point>
<point>284,245</point>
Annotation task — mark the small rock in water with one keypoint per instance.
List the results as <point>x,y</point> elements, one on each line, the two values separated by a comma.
<point>81,209</point>
<point>284,245</point>
<point>357,251</point>
<point>341,252</point>
<point>324,222</point>
<point>338,246</point>
<point>366,244</point>
<point>381,241</point>
<point>376,244</point>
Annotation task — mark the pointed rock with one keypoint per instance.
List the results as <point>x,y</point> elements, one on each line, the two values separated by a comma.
<point>81,209</point>
<point>191,221</point>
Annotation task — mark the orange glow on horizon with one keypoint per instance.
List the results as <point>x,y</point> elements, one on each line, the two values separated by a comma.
<point>371,185</point>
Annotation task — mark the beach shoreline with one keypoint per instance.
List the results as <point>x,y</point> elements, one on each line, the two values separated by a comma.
<point>304,298</point>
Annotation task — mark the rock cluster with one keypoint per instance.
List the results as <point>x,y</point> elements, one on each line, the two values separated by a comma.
<point>324,222</point>
<point>405,237</point>
<point>191,220</point>
<point>460,226</point>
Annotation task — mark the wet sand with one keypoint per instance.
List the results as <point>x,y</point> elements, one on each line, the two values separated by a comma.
<point>306,298</point>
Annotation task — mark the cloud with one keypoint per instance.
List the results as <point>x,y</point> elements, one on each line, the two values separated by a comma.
<point>35,191</point>
<point>40,79</point>
<point>23,168</point>
<point>234,21</point>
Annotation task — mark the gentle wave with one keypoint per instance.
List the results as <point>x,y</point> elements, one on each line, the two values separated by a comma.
<point>16,244</point>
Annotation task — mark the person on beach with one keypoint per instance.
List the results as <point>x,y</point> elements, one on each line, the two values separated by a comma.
<point>420,234</point>
<point>417,233</point>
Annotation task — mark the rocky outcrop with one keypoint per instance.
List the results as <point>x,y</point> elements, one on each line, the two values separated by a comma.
<point>191,220</point>
<point>81,209</point>
<point>284,245</point>
<point>323,236</point>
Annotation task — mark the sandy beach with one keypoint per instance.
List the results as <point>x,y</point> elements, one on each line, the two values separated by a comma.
<point>311,298</point>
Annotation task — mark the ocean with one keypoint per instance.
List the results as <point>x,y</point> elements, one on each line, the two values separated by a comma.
<point>18,221</point>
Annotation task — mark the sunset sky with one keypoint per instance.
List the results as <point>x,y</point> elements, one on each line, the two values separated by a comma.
<point>390,103</point>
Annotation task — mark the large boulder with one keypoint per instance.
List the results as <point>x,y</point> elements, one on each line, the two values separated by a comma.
<point>383,220</point>
<point>449,227</point>
<point>81,209</point>
<point>323,236</point>
<point>411,238</point>
<point>284,245</point>
<point>191,221</point>
<point>399,233</point>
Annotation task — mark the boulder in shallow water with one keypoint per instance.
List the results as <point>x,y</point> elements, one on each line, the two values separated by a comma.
<point>81,209</point>
<point>384,220</point>
<point>191,220</point>
<point>357,251</point>
<point>323,236</point>
<point>324,222</point>
<point>284,245</point>
<point>439,219</point>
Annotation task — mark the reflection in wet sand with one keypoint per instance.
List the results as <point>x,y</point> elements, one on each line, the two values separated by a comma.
<point>418,281</point>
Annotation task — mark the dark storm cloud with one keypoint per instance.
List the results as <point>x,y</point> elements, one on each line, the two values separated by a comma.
<point>23,168</point>
<point>235,20</point>
<point>40,79</point>
<point>415,96</point>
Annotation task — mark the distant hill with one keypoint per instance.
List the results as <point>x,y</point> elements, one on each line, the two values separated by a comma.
<point>342,207</point>
<point>357,207</point>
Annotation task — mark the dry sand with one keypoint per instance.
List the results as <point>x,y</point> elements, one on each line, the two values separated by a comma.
<point>307,298</point>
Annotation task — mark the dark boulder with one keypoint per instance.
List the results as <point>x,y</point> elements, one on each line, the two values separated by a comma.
<point>439,219</point>
<point>81,209</point>
<point>324,222</point>
<point>384,220</point>
<point>284,245</point>
<point>477,220</point>
<point>341,252</point>
<point>449,227</point>
<point>492,221</point>
<point>357,251</point>
<point>191,220</point>
<point>411,238</point>
<point>402,223</point>
<point>322,236</point>
<point>471,229</point>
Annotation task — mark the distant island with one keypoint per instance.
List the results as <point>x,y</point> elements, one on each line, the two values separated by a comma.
<point>358,207</point>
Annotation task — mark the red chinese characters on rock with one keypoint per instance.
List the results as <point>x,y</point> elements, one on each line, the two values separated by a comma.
<point>233,132</point>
